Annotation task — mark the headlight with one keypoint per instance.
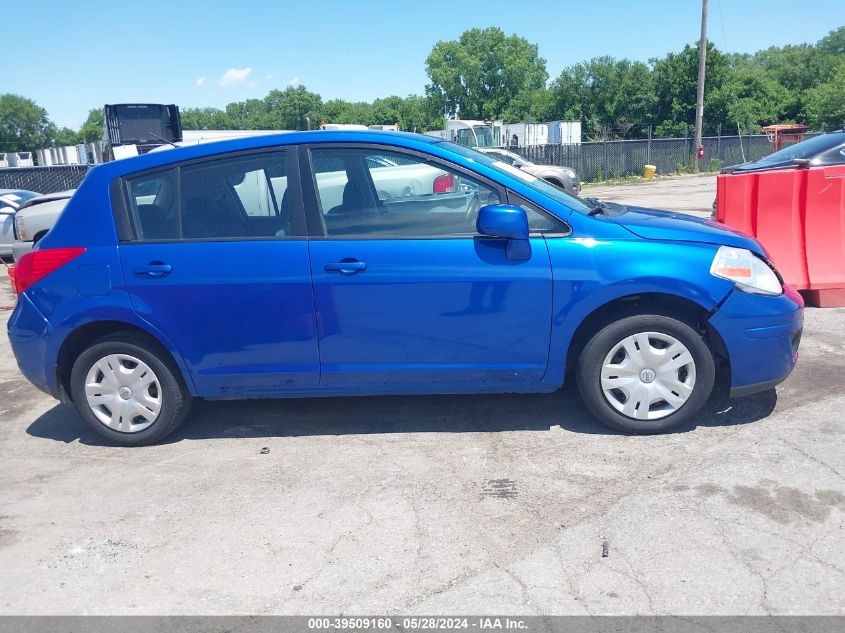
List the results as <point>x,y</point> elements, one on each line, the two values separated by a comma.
<point>750,272</point>
<point>20,229</point>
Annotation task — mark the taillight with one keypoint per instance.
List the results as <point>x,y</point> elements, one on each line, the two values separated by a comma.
<point>36,265</point>
<point>444,184</point>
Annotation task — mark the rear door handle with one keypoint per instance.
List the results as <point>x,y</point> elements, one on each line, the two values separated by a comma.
<point>346,267</point>
<point>154,269</point>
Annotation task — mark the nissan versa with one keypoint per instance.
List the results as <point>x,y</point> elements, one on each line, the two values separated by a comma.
<point>347,263</point>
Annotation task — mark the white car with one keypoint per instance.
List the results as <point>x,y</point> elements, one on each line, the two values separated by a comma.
<point>390,179</point>
<point>10,201</point>
<point>34,218</point>
<point>563,177</point>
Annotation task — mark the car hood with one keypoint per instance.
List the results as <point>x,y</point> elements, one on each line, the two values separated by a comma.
<point>654,224</point>
<point>536,170</point>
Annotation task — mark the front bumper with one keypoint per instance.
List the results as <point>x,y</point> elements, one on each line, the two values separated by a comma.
<point>761,336</point>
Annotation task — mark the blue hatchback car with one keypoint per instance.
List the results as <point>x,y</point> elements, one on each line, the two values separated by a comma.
<point>352,263</point>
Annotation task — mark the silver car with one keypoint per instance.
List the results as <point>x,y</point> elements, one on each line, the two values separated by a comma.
<point>10,202</point>
<point>35,217</point>
<point>563,177</point>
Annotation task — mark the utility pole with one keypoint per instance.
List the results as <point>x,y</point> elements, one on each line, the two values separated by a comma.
<point>702,71</point>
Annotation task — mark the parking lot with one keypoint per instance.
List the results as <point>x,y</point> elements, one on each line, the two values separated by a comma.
<point>471,504</point>
<point>687,194</point>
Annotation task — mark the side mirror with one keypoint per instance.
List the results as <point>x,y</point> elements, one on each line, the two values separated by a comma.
<point>506,221</point>
<point>802,163</point>
<point>503,220</point>
<point>517,164</point>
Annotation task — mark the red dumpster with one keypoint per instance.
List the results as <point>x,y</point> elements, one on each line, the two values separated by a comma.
<point>799,216</point>
<point>825,235</point>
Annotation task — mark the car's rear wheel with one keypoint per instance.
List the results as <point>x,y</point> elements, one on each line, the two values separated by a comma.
<point>128,390</point>
<point>646,373</point>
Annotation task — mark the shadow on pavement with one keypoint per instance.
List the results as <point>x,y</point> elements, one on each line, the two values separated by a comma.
<point>398,414</point>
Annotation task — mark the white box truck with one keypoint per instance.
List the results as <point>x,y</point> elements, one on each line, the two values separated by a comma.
<point>525,134</point>
<point>564,132</point>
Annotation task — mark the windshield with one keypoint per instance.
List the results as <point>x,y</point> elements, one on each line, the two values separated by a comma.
<point>546,188</point>
<point>483,135</point>
<point>805,149</point>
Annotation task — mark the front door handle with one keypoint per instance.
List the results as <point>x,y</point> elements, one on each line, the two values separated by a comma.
<point>154,269</point>
<point>346,267</point>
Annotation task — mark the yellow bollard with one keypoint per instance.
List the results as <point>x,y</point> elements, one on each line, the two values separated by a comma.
<point>649,171</point>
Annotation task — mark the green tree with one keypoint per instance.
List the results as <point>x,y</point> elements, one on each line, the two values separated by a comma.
<point>92,129</point>
<point>387,111</point>
<point>825,104</point>
<point>23,124</point>
<point>342,111</point>
<point>748,95</point>
<point>420,114</point>
<point>252,114</point>
<point>65,136</point>
<point>612,98</point>
<point>675,79</point>
<point>287,109</point>
<point>479,74</point>
<point>833,43</point>
<point>205,119</point>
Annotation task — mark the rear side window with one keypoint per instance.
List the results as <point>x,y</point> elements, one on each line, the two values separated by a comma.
<point>154,205</point>
<point>229,198</point>
<point>235,197</point>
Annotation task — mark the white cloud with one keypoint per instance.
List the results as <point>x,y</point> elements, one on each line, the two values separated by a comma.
<point>200,82</point>
<point>234,77</point>
<point>293,83</point>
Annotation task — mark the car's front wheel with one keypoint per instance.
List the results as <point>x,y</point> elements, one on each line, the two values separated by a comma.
<point>128,390</point>
<point>645,373</point>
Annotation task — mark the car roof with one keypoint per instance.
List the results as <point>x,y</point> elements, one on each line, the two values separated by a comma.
<point>151,160</point>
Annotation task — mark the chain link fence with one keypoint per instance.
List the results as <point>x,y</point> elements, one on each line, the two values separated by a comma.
<point>592,161</point>
<point>43,179</point>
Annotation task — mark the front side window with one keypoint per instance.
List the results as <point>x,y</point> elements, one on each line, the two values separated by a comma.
<point>229,198</point>
<point>373,193</point>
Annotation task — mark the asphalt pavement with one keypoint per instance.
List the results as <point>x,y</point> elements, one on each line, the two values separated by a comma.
<point>436,505</point>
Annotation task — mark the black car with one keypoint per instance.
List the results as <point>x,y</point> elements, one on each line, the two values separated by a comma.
<point>822,150</point>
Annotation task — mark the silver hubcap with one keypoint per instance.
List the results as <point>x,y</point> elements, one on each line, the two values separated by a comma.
<point>648,376</point>
<point>123,393</point>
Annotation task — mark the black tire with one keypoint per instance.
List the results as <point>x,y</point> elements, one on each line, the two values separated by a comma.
<point>588,373</point>
<point>175,397</point>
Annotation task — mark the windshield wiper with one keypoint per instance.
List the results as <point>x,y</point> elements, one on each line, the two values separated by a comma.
<point>598,206</point>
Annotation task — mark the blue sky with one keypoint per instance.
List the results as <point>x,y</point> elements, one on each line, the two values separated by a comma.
<point>77,55</point>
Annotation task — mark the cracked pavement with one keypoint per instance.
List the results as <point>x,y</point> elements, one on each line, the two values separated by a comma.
<point>431,505</point>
